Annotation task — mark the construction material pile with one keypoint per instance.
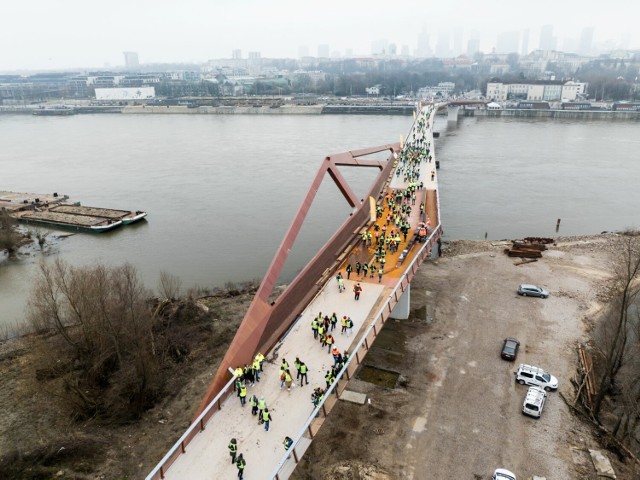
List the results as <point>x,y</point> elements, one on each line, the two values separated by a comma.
<point>529,247</point>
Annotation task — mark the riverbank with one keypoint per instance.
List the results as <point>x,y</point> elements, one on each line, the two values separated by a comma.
<point>555,114</point>
<point>420,349</point>
<point>327,109</point>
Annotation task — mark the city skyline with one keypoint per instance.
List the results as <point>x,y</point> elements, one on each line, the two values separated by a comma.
<point>72,36</point>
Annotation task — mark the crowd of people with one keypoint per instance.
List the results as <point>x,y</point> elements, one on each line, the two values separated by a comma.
<point>389,232</point>
<point>249,375</point>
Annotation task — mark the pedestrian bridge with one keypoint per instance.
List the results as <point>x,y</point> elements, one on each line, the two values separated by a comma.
<point>281,328</point>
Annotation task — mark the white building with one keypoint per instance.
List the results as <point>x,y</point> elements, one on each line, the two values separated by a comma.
<point>141,93</point>
<point>572,90</point>
<point>442,90</point>
<point>536,91</point>
<point>375,90</point>
<point>497,91</point>
<point>131,61</point>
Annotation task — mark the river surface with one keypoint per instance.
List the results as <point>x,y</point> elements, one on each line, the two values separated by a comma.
<point>222,190</point>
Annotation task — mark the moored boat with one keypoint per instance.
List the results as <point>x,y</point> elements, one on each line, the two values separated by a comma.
<point>133,217</point>
<point>79,223</point>
<point>55,110</point>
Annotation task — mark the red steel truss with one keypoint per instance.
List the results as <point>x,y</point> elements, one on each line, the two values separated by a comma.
<point>265,321</point>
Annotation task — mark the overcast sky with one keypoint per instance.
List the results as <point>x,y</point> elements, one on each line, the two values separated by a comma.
<point>52,34</point>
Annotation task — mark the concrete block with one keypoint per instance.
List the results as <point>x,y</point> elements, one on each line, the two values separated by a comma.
<point>602,465</point>
<point>353,397</point>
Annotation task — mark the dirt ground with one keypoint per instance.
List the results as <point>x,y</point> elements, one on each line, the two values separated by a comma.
<point>442,404</point>
<point>455,411</point>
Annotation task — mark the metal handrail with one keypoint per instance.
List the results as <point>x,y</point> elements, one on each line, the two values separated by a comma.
<point>191,428</point>
<point>378,316</point>
<point>314,413</point>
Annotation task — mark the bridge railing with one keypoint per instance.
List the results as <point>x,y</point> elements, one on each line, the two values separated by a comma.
<point>362,346</point>
<point>196,427</point>
<point>360,350</point>
<point>328,401</point>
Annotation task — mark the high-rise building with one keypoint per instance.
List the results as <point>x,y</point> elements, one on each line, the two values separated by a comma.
<point>348,52</point>
<point>254,55</point>
<point>380,47</point>
<point>508,42</point>
<point>443,48</point>
<point>473,44</point>
<point>236,54</point>
<point>404,51</point>
<point>586,41</point>
<point>323,51</point>
<point>131,60</point>
<point>547,40</point>
<point>303,51</point>
<point>424,49</point>
<point>525,43</point>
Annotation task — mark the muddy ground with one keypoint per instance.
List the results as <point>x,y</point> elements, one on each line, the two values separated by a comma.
<point>442,402</point>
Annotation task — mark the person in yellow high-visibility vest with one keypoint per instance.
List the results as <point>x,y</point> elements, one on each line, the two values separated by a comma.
<point>243,395</point>
<point>266,418</point>
<point>233,449</point>
<point>240,463</point>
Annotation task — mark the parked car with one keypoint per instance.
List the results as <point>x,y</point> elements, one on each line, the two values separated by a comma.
<point>532,291</point>
<point>510,348</point>
<point>503,474</point>
<point>530,375</point>
<point>534,402</point>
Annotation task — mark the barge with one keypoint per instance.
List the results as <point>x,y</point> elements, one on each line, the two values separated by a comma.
<point>81,223</point>
<point>56,212</point>
<point>55,110</point>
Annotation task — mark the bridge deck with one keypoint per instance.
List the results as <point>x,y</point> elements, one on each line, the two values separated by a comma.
<point>207,454</point>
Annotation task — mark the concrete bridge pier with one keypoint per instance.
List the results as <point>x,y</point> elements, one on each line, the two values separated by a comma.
<point>401,310</point>
<point>452,112</point>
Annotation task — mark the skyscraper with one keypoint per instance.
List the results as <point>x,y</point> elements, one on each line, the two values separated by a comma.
<point>131,61</point>
<point>473,44</point>
<point>236,54</point>
<point>380,46</point>
<point>547,40</point>
<point>586,41</point>
<point>424,49</point>
<point>443,47</point>
<point>323,51</point>
<point>303,51</point>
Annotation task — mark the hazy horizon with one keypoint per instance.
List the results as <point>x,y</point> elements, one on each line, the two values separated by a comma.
<point>45,35</point>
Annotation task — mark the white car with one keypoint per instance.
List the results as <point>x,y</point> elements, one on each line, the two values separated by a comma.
<point>525,290</point>
<point>530,375</point>
<point>503,474</point>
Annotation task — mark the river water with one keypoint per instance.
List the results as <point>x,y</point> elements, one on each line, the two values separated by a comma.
<point>221,190</point>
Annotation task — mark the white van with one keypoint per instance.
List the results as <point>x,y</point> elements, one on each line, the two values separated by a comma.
<point>534,402</point>
<point>530,375</point>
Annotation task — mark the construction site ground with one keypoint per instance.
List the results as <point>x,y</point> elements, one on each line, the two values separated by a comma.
<point>441,402</point>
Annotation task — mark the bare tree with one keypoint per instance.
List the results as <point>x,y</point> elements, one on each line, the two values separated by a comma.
<point>169,286</point>
<point>613,336</point>
<point>10,240</point>
<point>103,317</point>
